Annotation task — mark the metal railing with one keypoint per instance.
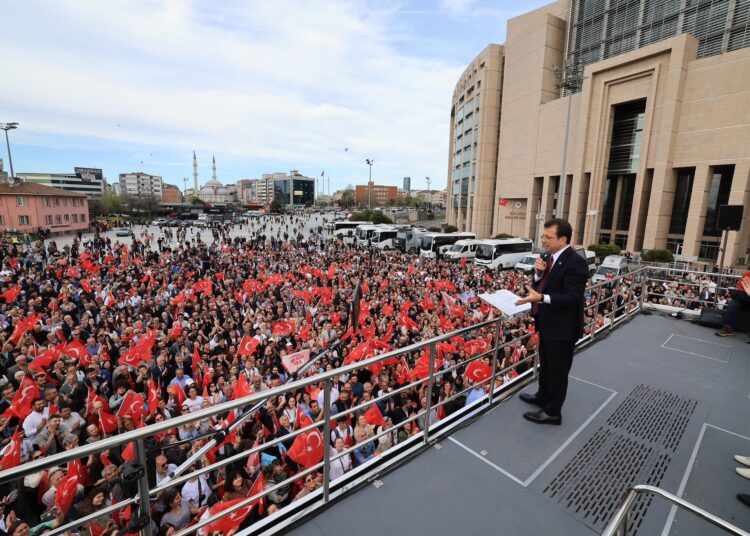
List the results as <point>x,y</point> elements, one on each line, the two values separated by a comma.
<point>620,523</point>
<point>498,384</point>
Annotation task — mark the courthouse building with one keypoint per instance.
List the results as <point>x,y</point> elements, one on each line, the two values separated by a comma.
<point>656,121</point>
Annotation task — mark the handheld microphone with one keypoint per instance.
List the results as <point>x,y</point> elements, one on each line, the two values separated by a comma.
<point>545,256</point>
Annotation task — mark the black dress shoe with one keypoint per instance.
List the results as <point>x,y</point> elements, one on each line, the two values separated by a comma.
<point>744,498</point>
<point>530,399</point>
<point>540,417</point>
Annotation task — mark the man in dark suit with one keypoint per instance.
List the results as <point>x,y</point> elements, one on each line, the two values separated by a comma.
<point>557,304</point>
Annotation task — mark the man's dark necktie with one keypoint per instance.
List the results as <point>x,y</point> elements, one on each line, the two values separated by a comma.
<point>542,284</point>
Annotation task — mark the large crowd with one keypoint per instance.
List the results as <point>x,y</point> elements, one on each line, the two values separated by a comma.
<point>99,337</point>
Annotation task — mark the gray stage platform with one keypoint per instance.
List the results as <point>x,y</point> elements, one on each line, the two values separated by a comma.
<point>660,401</point>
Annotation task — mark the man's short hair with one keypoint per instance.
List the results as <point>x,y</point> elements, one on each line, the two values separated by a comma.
<point>562,228</point>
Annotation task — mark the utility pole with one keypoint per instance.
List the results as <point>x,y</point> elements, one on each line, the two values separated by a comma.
<point>6,127</point>
<point>570,81</point>
<point>369,162</point>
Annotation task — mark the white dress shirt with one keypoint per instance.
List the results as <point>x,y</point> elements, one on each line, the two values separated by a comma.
<point>555,256</point>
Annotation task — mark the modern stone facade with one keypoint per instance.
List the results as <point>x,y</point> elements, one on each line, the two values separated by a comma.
<point>658,139</point>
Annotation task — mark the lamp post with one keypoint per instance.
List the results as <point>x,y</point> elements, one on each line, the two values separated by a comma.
<point>6,127</point>
<point>570,81</point>
<point>369,162</point>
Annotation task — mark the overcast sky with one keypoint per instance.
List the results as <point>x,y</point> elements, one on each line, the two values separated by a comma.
<point>263,85</point>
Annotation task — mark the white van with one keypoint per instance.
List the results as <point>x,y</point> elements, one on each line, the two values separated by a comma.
<point>503,253</point>
<point>383,238</point>
<point>434,245</point>
<point>526,265</point>
<point>346,228</point>
<point>590,258</point>
<point>612,266</point>
<point>463,249</point>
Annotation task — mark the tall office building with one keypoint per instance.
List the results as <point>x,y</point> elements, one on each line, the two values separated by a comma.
<point>87,181</point>
<point>654,126</point>
<point>141,184</point>
<point>407,185</point>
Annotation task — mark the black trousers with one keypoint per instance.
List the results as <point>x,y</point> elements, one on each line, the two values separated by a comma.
<point>555,360</point>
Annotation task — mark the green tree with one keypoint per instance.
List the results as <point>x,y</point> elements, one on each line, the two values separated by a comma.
<point>503,235</point>
<point>375,216</point>
<point>658,255</point>
<point>276,206</point>
<point>604,250</point>
<point>347,198</point>
<point>195,201</point>
<point>450,229</point>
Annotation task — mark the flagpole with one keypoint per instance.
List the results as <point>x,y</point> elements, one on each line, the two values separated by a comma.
<point>222,434</point>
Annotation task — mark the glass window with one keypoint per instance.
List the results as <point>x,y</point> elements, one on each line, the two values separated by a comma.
<point>48,219</point>
<point>681,205</point>
<point>58,219</point>
<point>23,220</point>
<point>718,194</point>
<point>22,201</point>
<point>83,217</point>
<point>67,217</point>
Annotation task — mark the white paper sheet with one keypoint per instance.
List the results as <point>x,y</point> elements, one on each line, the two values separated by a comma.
<point>505,300</point>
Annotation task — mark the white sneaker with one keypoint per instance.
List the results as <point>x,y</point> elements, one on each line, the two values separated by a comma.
<point>744,460</point>
<point>743,471</point>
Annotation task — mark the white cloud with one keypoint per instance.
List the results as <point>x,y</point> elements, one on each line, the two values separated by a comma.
<point>293,81</point>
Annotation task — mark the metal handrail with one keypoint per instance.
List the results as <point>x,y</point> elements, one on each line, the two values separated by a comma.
<point>620,522</point>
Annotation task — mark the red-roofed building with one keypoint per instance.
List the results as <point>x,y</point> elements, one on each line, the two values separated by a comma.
<point>28,208</point>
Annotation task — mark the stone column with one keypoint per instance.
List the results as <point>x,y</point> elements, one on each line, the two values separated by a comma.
<point>738,241</point>
<point>698,202</point>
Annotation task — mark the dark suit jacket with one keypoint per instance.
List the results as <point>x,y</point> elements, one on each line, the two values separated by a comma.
<point>562,318</point>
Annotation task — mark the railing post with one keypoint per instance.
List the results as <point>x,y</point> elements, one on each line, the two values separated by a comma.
<point>428,407</point>
<point>495,359</point>
<point>143,489</point>
<point>326,438</point>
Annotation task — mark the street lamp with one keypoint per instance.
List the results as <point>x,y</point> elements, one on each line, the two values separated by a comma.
<point>570,81</point>
<point>6,127</point>
<point>369,162</point>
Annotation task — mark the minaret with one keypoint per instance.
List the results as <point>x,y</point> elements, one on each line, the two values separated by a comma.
<point>195,175</point>
<point>213,167</point>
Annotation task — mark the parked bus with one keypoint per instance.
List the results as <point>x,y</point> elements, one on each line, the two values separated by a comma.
<point>434,245</point>
<point>409,239</point>
<point>346,228</point>
<point>364,233</point>
<point>383,238</point>
<point>503,253</point>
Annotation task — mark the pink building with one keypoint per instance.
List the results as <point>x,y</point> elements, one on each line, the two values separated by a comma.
<point>27,207</point>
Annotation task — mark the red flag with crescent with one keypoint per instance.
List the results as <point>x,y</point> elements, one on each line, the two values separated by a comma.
<point>24,397</point>
<point>285,327</point>
<point>66,492</point>
<point>248,345</point>
<point>12,454</point>
<point>11,294</point>
<point>477,346</point>
<point>307,449</point>
<point>478,371</point>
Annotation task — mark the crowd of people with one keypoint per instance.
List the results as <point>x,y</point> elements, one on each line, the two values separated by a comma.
<point>101,336</point>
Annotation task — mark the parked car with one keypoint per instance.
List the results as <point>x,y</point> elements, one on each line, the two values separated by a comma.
<point>159,221</point>
<point>185,223</point>
<point>122,231</point>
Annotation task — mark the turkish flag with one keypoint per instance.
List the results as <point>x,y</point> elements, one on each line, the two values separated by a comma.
<point>427,304</point>
<point>388,310</point>
<point>153,396</point>
<point>305,333</point>
<point>248,345</point>
<point>86,286</point>
<point>132,357</point>
<point>230,521</point>
<point>128,453</point>
<point>502,202</point>
<point>196,364</point>
<point>24,397</point>
<point>373,416</point>
<point>75,349</point>
<point>46,359</point>
<point>107,422</point>
<point>132,405</point>
<point>176,331</point>
<point>242,388</point>
<point>11,294</point>
<point>93,397</point>
<point>258,487</point>
<point>204,285</point>
<point>23,326</point>
<point>77,468</point>
<point>410,270</point>
<point>285,327</point>
<point>446,348</point>
<point>408,323</point>
<point>12,454</point>
<point>179,394</point>
<point>478,371</point>
<point>307,449</point>
<point>66,492</point>
<point>331,271</point>
<point>478,346</point>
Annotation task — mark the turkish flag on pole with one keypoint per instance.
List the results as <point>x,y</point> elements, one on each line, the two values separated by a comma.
<point>307,449</point>
<point>153,396</point>
<point>478,371</point>
<point>12,454</point>
<point>258,486</point>
<point>242,388</point>
<point>179,394</point>
<point>285,327</point>
<point>77,468</point>
<point>22,400</point>
<point>248,345</point>
<point>66,492</point>
<point>477,346</point>
<point>373,416</point>
<point>503,202</point>
<point>11,294</point>
<point>132,405</point>
<point>75,349</point>
<point>293,362</point>
<point>107,422</point>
